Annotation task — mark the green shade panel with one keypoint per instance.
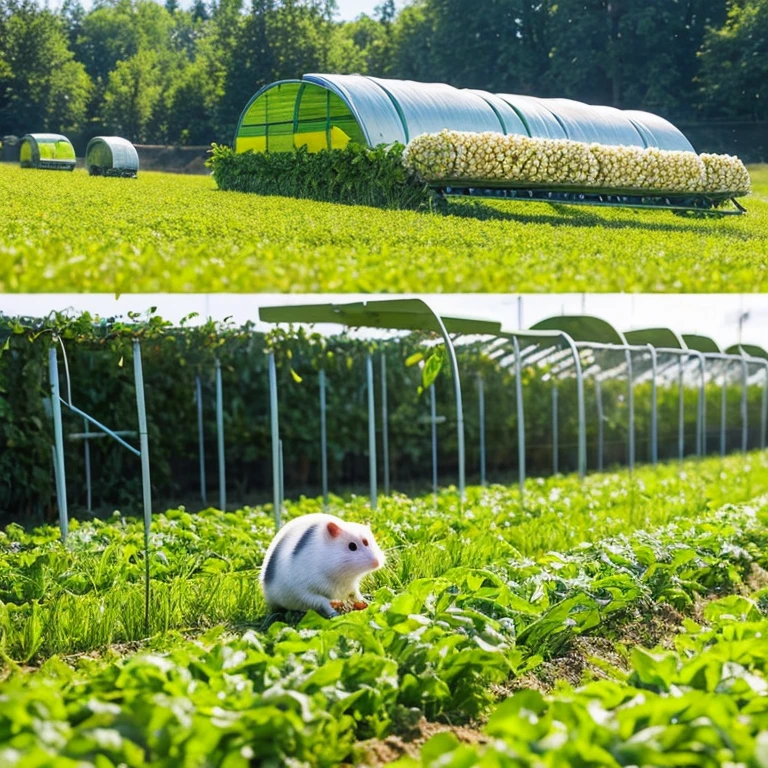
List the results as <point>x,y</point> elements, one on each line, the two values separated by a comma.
<point>700,343</point>
<point>394,314</point>
<point>661,338</point>
<point>752,350</point>
<point>582,328</point>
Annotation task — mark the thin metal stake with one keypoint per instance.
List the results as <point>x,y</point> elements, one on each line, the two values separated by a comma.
<point>220,438</point>
<point>600,425</point>
<point>744,407</point>
<point>371,429</point>
<point>323,440</point>
<point>481,417</point>
<point>433,422</point>
<point>520,417</point>
<point>723,407</point>
<point>555,433</point>
<point>282,478</point>
<point>58,438</point>
<point>680,410</point>
<point>630,408</point>
<point>201,439</point>
<point>87,450</point>
<point>145,481</point>
<point>654,409</point>
<point>275,428</point>
<point>384,423</point>
<point>764,410</point>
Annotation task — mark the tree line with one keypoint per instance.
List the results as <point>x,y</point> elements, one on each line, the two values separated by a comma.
<point>162,74</point>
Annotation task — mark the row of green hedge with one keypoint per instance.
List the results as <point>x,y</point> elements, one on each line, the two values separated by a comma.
<point>101,377</point>
<point>355,175</point>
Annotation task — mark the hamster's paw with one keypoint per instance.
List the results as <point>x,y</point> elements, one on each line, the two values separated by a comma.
<point>359,605</point>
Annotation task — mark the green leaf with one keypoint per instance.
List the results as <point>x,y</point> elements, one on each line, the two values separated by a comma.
<point>432,367</point>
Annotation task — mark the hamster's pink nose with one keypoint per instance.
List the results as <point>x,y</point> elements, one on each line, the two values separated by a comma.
<point>375,562</point>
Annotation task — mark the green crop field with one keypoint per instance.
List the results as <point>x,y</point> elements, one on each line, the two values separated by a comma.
<point>70,232</point>
<point>618,620</point>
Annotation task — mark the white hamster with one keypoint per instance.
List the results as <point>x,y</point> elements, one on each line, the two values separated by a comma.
<point>316,562</point>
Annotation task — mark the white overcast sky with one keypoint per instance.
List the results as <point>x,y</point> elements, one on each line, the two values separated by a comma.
<point>714,315</point>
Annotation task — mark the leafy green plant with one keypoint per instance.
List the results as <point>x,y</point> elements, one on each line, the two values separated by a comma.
<point>355,175</point>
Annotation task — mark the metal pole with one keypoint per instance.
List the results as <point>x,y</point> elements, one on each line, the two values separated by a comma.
<point>282,477</point>
<point>371,429</point>
<point>744,406</point>
<point>630,408</point>
<point>481,417</point>
<point>680,410</point>
<point>723,406</point>
<point>433,420</point>
<point>323,440</point>
<point>87,448</point>
<point>600,434</point>
<point>555,435</point>
<point>764,409</point>
<point>276,469</point>
<point>384,423</point>
<point>220,438</point>
<point>520,417</point>
<point>201,439</point>
<point>702,417</point>
<point>138,373</point>
<point>654,410</point>
<point>58,439</point>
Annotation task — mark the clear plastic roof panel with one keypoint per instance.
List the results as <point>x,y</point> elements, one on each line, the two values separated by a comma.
<point>431,107</point>
<point>658,131</point>
<point>602,125</point>
<point>510,120</point>
<point>537,118</point>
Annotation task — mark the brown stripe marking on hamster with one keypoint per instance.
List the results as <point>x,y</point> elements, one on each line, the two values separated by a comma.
<point>303,541</point>
<point>269,573</point>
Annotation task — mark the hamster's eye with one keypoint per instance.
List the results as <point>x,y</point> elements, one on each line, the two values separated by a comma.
<point>352,545</point>
<point>365,542</point>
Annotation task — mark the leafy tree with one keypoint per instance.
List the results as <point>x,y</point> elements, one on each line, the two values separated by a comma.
<point>132,96</point>
<point>734,63</point>
<point>43,88</point>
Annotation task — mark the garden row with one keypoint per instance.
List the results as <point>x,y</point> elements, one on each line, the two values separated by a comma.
<point>701,703</point>
<point>169,232</point>
<point>204,566</point>
<point>101,383</point>
<point>457,617</point>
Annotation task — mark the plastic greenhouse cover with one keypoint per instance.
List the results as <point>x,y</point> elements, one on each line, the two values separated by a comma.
<point>370,104</point>
<point>511,122</point>
<point>594,124</point>
<point>431,107</point>
<point>665,135</point>
<point>539,120</point>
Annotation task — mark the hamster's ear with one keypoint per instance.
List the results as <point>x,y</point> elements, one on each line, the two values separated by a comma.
<point>333,529</point>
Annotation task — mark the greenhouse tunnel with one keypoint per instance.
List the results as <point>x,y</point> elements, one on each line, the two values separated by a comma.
<point>322,111</point>
<point>46,150</point>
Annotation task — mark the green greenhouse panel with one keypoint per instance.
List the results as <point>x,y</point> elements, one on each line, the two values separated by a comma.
<point>50,151</point>
<point>111,156</point>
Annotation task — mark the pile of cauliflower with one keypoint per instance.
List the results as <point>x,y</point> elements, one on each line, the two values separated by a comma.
<point>494,157</point>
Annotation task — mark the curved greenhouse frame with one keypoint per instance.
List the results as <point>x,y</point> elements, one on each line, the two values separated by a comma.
<point>111,156</point>
<point>322,111</point>
<point>47,150</point>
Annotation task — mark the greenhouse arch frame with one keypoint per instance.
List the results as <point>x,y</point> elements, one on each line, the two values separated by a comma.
<point>326,111</point>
